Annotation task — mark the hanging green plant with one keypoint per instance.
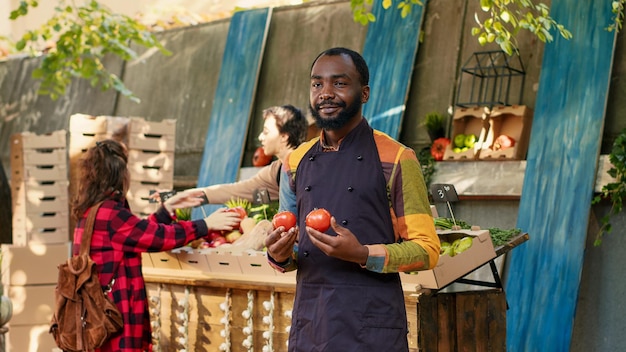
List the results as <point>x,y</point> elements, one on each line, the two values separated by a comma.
<point>614,191</point>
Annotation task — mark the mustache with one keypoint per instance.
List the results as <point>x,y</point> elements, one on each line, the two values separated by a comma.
<point>331,103</point>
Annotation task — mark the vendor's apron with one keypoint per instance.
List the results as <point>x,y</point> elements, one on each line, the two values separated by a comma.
<point>340,306</point>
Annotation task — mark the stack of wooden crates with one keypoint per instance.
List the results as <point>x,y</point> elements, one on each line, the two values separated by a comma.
<point>150,153</point>
<point>42,183</point>
<point>39,194</point>
<point>150,161</point>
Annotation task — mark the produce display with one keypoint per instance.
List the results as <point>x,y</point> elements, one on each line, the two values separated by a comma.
<point>498,236</point>
<point>463,142</point>
<point>459,245</point>
<point>251,232</point>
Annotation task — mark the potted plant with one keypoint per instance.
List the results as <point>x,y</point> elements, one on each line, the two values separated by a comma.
<point>435,124</point>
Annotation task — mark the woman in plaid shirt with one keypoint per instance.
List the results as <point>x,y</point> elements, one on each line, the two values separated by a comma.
<point>119,236</point>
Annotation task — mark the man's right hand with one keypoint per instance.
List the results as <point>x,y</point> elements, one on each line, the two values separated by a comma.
<point>280,243</point>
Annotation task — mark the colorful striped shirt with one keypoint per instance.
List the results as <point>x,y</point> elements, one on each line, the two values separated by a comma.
<point>417,244</point>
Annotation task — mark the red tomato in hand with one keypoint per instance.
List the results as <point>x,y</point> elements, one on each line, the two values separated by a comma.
<point>285,218</point>
<point>260,158</point>
<point>239,210</point>
<point>318,219</point>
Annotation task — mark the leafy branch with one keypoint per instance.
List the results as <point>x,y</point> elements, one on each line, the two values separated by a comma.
<point>362,14</point>
<point>74,42</point>
<point>617,7</point>
<point>505,18</point>
<point>614,191</point>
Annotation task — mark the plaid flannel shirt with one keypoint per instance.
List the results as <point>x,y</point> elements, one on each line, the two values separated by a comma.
<point>118,240</point>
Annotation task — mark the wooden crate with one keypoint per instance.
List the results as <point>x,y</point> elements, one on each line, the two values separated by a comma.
<point>467,121</point>
<point>30,338</point>
<point>152,136</point>
<point>462,321</point>
<point>513,121</point>
<point>205,314</point>
<point>89,124</point>
<point>39,188</point>
<point>151,166</point>
<point>139,196</point>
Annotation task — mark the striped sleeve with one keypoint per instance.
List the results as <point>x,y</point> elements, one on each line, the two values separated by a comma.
<point>417,244</point>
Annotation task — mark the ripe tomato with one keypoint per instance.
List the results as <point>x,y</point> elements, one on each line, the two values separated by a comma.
<point>239,210</point>
<point>318,219</point>
<point>285,218</point>
<point>438,149</point>
<point>260,158</point>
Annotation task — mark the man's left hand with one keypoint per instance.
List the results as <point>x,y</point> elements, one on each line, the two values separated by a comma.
<point>344,246</point>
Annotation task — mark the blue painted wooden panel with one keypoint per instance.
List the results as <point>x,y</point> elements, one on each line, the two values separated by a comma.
<point>390,48</point>
<point>232,105</point>
<point>544,274</point>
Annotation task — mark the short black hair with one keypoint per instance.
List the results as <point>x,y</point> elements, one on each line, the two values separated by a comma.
<point>357,59</point>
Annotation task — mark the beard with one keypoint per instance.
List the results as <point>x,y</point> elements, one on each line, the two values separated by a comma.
<point>339,121</point>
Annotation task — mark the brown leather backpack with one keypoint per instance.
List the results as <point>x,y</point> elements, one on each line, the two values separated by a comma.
<point>84,316</point>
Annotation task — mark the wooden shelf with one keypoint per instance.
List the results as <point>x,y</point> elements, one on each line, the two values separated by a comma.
<point>501,180</point>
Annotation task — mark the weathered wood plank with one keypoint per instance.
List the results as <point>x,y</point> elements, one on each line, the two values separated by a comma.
<point>462,321</point>
<point>179,86</point>
<point>544,274</point>
<point>234,98</point>
<point>390,75</point>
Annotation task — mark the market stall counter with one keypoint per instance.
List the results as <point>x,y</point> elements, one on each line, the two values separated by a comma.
<point>216,300</point>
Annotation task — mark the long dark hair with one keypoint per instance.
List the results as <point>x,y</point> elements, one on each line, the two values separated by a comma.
<point>103,175</point>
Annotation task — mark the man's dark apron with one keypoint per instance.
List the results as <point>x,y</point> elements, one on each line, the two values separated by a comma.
<point>340,306</point>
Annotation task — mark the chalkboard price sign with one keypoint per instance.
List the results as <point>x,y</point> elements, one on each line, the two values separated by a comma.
<point>443,193</point>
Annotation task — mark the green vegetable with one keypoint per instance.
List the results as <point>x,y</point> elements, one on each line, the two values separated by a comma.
<point>462,244</point>
<point>500,237</point>
<point>263,212</point>
<point>446,249</point>
<point>183,214</point>
<point>448,223</point>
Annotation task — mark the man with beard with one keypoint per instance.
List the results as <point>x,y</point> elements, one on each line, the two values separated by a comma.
<point>349,296</point>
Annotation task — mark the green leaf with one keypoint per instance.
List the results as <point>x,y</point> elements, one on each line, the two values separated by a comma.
<point>20,45</point>
<point>505,16</point>
<point>482,39</point>
<point>486,5</point>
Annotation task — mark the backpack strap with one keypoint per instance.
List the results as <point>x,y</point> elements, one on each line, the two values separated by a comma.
<point>85,243</point>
